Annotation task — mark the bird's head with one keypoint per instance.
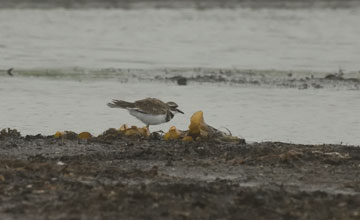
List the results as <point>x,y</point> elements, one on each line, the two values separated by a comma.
<point>174,107</point>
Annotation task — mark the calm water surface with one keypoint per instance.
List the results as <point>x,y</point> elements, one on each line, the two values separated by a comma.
<point>258,114</point>
<point>282,39</point>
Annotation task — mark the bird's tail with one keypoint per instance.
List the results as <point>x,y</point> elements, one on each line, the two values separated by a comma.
<point>121,104</point>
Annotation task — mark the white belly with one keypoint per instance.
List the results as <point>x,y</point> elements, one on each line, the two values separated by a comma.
<point>148,119</point>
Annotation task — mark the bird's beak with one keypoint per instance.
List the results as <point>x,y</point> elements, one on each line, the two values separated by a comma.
<point>179,111</point>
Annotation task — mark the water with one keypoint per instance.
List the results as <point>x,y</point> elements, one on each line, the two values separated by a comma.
<point>259,114</point>
<point>283,39</point>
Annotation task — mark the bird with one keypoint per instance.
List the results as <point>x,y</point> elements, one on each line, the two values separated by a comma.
<point>10,72</point>
<point>150,111</point>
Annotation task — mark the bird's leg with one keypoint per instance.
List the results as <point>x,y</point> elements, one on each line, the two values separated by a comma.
<point>147,127</point>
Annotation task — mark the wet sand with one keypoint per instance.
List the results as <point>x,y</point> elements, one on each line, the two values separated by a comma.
<point>121,178</point>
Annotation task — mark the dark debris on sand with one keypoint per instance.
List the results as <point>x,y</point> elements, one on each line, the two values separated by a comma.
<point>279,79</point>
<point>119,178</point>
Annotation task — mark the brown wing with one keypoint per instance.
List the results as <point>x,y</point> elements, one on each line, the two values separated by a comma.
<point>121,104</point>
<point>152,106</point>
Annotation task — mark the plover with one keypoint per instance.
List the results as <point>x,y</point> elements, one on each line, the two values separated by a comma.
<point>150,111</point>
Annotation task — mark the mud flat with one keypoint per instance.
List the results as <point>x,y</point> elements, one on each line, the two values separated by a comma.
<point>120,178</point>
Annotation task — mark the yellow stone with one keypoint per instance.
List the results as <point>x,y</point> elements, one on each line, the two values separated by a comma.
<point>136,131</point>
<point>131,131</point>
<point>123,128</point>
<point>196,124</point>
<point>145,131</point>
<point>59,134</point>
<point>84,135</point>
<point>172,134</point>
<point>187,138</point>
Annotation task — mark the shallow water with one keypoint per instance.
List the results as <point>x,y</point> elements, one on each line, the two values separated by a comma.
<point>35,105</point>
<point>283,39</point>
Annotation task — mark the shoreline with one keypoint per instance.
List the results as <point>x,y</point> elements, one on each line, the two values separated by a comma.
<point>49,178</point>
<point>227,76</point>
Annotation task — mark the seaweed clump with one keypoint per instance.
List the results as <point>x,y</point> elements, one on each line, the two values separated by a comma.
<point>198,131</point>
